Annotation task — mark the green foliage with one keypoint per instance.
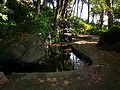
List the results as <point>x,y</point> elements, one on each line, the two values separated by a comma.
<point>96,31</point>
<point>84,26</point>
<point>98,6</point>
<point>111,40</point>
<point>80,26</point>
<point>4,11</point>
<point>116,12</point>
<point>111,37</point>
<point>22,15</point>
<point>43,24</point>
<point>18,18</point>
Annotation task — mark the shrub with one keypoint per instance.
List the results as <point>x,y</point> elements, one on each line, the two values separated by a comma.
<point>110,39</point>
<point>80,26</point>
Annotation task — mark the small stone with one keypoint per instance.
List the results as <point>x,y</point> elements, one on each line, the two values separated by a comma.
<point>17,79</point>
<point>3,79</point>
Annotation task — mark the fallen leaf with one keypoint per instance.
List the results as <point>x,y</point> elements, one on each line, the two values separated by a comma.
<point>40,80</point>
<point>66,82</point>
<point>52,79</point>
<point>97,77</point>
<point>54,85</point>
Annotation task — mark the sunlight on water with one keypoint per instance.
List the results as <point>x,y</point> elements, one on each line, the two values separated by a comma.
<point>78,64</point>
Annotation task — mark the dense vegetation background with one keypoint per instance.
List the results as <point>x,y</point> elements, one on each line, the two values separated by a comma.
<point>48,19</point>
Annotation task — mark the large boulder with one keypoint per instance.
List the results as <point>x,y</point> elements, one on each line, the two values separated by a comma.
<point>29,48</point>
<point>35,50</point>
<point>33,54</point>
<point>18,49</point>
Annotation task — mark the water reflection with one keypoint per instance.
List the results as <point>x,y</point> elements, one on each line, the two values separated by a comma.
<point>62,59</point>
<point>59,59</point>
<point>78,64</point>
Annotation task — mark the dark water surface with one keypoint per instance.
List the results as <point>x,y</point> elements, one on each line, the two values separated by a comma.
<point>59,58</point>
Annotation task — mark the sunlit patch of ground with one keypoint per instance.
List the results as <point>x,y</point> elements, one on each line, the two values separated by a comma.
<point>85,42</point>
<point>81,39</point>
<point>61,44</point>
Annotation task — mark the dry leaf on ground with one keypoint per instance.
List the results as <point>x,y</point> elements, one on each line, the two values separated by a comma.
<point>51,79</point>
<point>66,82</point>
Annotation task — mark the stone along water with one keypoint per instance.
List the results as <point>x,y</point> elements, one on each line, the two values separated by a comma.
<point>59,58</point>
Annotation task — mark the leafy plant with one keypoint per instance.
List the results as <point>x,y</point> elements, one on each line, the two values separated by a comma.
<point>80,26</point>
<point>21,19</point>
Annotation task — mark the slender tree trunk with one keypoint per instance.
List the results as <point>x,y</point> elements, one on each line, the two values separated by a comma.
<point>88,11</point>
<point>77,7</point>
<point>37,8</point>
<point>3,2</point>
<point>93,18</point>
<point>55,21</point>
<point>56,13</point>
<point>81,9</point>
<point>101,19</point>
<point>110,16</point>
<point>64,9</point>
<point>53,6</point>
<point>61,6</point>
<point>74,7</point>
<point>66,14</point>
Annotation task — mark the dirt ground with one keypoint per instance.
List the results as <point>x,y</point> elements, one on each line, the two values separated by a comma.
<point>103,74</point>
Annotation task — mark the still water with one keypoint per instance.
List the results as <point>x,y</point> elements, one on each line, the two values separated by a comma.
<point>59,58</point>
<point>64,59</point>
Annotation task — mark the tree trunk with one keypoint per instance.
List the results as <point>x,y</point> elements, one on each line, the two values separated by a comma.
<point>3,2</point>
<point>110,16</point>
<point>74,7</point>
<point>66,14</point>
<point>101,19</point>
<point>88,11</point>
<point>93,18</point>
<point>64,9</point>
<point>37,8</point>
<point>61,6</point>
<point>55,18</point>
<point>77,7</point>
<point>53,6</point>
<point>81,9</point>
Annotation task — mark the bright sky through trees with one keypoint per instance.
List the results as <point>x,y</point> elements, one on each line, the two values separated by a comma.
<point>85,13</point>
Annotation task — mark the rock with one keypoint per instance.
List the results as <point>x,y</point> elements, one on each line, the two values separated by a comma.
<point>29,48</point>
<point>33,54</point>
<point>3,79</point>
<point>35,49</point>
<point>18,50</point>
<point>6,53</point>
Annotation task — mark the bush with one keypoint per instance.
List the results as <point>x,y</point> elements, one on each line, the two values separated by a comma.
<point>21,20</point>
<point>80,26</point>
<point>110,39</point>
<point>95,30</point>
